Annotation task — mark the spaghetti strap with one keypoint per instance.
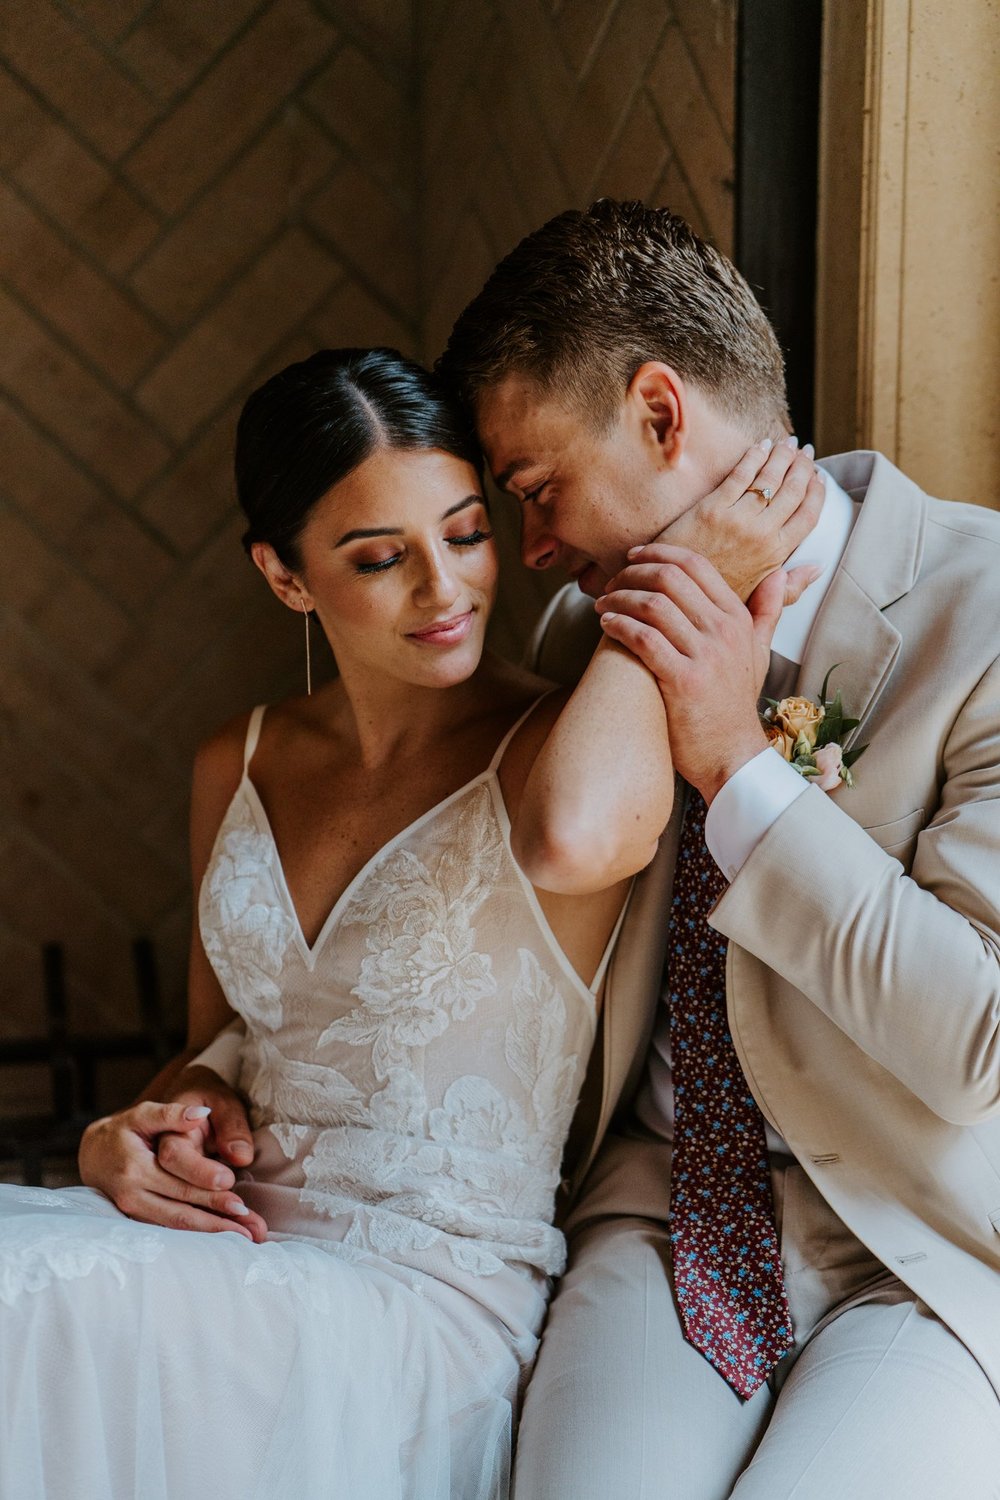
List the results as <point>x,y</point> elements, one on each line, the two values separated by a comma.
<point>253,735</point>
<point>499,754</point>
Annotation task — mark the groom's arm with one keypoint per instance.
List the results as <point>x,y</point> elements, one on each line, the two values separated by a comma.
<point>907,965</point>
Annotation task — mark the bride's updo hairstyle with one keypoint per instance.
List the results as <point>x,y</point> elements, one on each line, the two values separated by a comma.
<point>315,421</point>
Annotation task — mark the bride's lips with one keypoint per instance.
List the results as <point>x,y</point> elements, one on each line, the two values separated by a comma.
<point>444,632</point>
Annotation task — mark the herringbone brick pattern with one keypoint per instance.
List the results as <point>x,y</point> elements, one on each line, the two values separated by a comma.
<point>190,196</point>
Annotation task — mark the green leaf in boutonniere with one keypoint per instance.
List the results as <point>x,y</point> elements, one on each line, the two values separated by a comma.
<point>826,683</point>
<point>811,736</point>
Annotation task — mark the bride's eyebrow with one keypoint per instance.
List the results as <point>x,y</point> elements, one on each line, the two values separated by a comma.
<point>354,536</point>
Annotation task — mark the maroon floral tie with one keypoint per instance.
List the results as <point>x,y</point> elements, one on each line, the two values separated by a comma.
<point>727,1266</point>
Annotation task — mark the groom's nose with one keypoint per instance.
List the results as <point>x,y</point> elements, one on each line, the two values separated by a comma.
<point>539,548</point>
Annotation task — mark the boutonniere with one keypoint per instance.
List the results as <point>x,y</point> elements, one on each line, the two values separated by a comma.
<point>811,736</point>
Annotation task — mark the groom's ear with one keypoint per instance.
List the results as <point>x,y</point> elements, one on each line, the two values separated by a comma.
<point>658,404</point>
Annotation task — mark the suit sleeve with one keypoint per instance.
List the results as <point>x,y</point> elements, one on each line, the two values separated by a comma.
<point>907,965</point>
<point>223,1054</point>
<point>565,638</point>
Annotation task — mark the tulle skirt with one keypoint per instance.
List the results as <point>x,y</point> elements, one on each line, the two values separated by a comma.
<point>139,1363</point>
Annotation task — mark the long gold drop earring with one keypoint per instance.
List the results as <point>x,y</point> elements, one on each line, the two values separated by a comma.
<point>309,680</point>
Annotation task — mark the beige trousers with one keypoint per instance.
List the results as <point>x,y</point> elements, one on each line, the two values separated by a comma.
<point>878,1399</point>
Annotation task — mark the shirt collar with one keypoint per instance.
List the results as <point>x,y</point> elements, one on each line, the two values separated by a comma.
<point>824,546</point>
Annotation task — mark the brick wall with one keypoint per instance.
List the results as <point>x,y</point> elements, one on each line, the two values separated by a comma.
<point>191,195</point>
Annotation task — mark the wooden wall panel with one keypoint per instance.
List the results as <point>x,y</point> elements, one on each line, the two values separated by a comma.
<point>191,196</point>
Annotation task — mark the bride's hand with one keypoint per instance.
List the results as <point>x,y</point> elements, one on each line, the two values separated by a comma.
<point>747,537</point>
<point>118,1156</point>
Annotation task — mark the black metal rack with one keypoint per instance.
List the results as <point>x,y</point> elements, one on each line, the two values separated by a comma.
<point>73,1060</point>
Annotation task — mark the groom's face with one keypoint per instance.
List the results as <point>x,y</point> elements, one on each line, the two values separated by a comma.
<point>586,496</point>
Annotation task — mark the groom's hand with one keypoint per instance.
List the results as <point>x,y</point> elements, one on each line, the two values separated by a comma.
<point>708,651</point>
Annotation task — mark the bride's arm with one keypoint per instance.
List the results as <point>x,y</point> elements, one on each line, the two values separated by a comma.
<point>597,784</point>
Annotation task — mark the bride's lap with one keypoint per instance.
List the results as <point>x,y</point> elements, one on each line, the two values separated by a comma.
<point>292,1368</point>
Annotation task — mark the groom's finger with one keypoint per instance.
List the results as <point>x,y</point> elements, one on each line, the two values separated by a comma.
<point>657,610</point>
<point>186,1159</point>
<point>765,605</point>
<point>650,646</point>
<point>231,1131</point>
<point>655,565</point>
<point>797,580</point>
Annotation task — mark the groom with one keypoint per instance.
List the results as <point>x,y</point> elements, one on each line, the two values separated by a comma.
<point>820,1071</point>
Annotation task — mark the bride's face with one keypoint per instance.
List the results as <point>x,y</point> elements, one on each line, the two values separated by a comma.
<point>400,564</point>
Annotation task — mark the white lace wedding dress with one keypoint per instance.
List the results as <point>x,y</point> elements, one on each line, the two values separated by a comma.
<point>412,1076</point>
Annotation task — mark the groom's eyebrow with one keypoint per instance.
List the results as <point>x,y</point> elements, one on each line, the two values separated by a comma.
<point>453,510</point>
<point>505,476</point>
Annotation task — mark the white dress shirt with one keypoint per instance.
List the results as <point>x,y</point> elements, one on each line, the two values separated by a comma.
<point>759,792</point>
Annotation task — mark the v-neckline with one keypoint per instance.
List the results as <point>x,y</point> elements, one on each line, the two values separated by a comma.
<point>310,952</point>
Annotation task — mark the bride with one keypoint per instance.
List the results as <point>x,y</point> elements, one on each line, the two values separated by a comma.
<point>411,882</point>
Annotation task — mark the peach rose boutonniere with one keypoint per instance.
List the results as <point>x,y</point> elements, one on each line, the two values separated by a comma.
<point>810,736</point>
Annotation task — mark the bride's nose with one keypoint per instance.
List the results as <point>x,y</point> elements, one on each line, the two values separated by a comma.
<point>437,585</point>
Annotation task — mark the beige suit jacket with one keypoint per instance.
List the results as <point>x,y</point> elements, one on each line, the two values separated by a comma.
<point>864,929</point>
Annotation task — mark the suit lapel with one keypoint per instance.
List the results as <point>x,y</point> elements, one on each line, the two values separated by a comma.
<point>853,635</point>
<point>880,564</point>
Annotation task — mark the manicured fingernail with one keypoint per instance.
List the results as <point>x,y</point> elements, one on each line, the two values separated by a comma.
<point>610,615</point>
<point>791,441</point>
<point>600,601</point>
<point>197,1112</point>
<point>767,444</point>
<point>809,450</point>
<point>235,1206</point>
<point>222,1181</point>
<point>241,1148</point>
<point>634,551</point>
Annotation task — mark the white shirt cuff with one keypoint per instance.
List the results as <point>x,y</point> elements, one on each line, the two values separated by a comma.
<point>744,809</point>
<point>223,1054</point>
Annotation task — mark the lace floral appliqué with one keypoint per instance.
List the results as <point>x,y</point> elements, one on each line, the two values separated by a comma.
<point>245,937</point>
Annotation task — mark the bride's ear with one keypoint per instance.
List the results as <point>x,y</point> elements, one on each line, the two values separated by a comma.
<point>281,579</point>
<point>658,404</point>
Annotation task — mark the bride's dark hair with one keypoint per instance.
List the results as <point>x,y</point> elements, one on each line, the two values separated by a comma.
<point>315,421</point>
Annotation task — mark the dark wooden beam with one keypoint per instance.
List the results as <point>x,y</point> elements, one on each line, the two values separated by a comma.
<point>777,145</point>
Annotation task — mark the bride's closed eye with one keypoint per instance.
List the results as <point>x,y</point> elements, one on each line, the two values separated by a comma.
<point>471,539</point>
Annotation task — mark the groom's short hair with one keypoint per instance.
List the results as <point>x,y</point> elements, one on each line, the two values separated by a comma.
<point>581,303</point>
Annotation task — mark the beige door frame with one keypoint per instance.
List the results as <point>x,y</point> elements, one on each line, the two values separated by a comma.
<point>908,296</point>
